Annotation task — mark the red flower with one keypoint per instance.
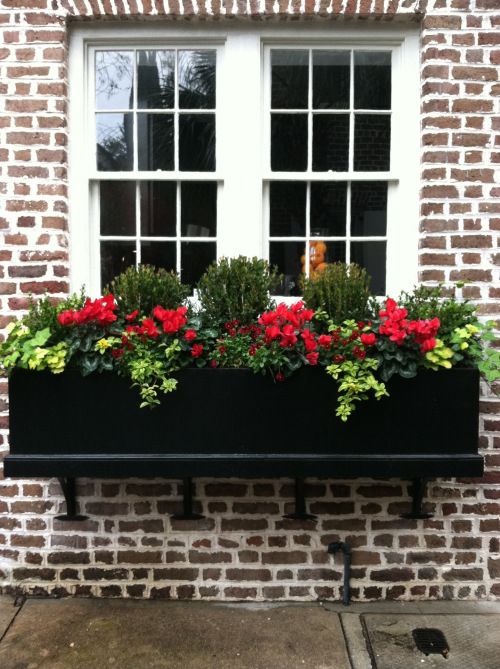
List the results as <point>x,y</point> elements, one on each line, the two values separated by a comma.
<point>428,345</point>
<point>117,353</point>
<point>368,338</point>
<point>359,353</point>
<point>279,376</point>
<point>189,335</point>
<point>213,363</point>
<point>132,316</point>
<point>197,350</point>
<point>325,341</point>
<point>172,319</point>
<point>66,317</point>
<point>338,358</point>
<point>272,332</point>
<point>310,345</point>
<point>312,358</point>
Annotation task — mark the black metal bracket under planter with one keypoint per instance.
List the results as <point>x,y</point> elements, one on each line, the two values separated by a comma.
<point>232,423</point>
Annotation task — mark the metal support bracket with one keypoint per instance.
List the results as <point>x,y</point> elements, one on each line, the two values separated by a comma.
<point>300,512</point>
<point>418,489</point>
<point>68,486</point>
<point>187,503</point>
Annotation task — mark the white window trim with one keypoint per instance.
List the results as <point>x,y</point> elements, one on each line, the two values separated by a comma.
<point>241,169</point>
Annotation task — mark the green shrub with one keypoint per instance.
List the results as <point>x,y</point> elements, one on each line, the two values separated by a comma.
<point>42,313</point>
<point>429,302</point>
<point>146,286</point>
<point>236,289</point>
<point>341,290</point>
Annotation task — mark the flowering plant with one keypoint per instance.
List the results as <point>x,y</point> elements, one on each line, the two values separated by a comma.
<point>149,348</point>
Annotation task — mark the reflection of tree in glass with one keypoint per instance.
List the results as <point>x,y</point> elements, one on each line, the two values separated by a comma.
<point>114,142</point>
<point>196,79</point>
<point>114,75</point>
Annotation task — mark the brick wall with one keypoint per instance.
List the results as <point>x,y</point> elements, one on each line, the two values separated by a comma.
<point>244,548</point>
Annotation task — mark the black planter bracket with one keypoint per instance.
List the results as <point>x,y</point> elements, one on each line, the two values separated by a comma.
<point>418,490</point>
<point>300,512</point>
<point>68,486</point>
<point>187,502</point>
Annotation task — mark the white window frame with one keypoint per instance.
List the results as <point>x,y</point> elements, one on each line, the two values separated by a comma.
<point>242,134</point>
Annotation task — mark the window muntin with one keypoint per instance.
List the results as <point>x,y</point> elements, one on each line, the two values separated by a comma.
<point>329,114</point>
<point>155,111</point>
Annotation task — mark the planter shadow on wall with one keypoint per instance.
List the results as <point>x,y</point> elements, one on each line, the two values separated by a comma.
<point>230,422</point>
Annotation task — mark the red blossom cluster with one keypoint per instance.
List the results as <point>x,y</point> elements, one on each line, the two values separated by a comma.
<point>395,325</point>
<point>100,311</point>
<point>283,324</point>
<point>172,320</point>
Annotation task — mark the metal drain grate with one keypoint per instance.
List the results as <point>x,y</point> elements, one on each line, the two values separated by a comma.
<point>430,640</point>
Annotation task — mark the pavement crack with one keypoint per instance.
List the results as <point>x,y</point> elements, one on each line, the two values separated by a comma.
<point>22,601</point>
<point>368,643</point>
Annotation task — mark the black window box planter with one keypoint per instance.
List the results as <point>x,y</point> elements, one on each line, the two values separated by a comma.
<point>230,422</point>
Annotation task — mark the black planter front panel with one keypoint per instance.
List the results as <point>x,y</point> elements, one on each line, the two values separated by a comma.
<point>232,422</point>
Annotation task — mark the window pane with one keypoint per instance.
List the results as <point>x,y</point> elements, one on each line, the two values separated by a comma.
<point>159,254</point>
<point>155,79</point>
<point>114,76</point>
<point>115,258</point>
<point>197,142</point>
<point>198,209</point>
<point>289,79</point>
<point>328,209</point>
<point>331,75</point>
<point>330,142</point>
<point>158,207</point>
<point>155,141</point>
<point>287,209</point>
<point>195,258</point>
<point>115,152</point>
<point>197,79</point>
<point>372,80</point>
<point>372,142</point>
<point>288,142</point>
<point>117,207</point>
<point>372,256</point>
<point>289,258</point>
<point>368,208</point>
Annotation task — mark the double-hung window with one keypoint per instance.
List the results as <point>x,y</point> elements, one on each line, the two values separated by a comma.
<point>297,145</point>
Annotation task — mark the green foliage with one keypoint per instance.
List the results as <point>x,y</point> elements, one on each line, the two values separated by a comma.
<point>42,313</point>
<point>341,290</point>
<point>149,365</point>
<point>28,350</point>
<point>236,289</point>
<point>145,287</point>
<point>425,302</point>
<point>356,381</point>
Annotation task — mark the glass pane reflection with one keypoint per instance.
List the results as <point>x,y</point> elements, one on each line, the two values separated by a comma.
<point>331,76</point>
<point>155,79</point>
<point>197,142</point>
<point>330,142</point>
<point>199,209</point>
<point>288,142</point>
<point>158,208</point>
<point>372,80</point>
<point>155,141</point>
<point>114,77</point>
<point>115,258</point>
<point>159,254</point>
<point>371,256</point>
<point>289,79</point>
<point>328,209</point>
<point>195,258</point>
<point>117,207</point>
<point>197,79</point>
<point>368,208</point>
<point>372,142</point>
<point>115,142</point>
<point>287,209</point>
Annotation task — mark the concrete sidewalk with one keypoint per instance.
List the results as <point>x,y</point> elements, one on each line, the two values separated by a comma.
<point>133,634</point>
